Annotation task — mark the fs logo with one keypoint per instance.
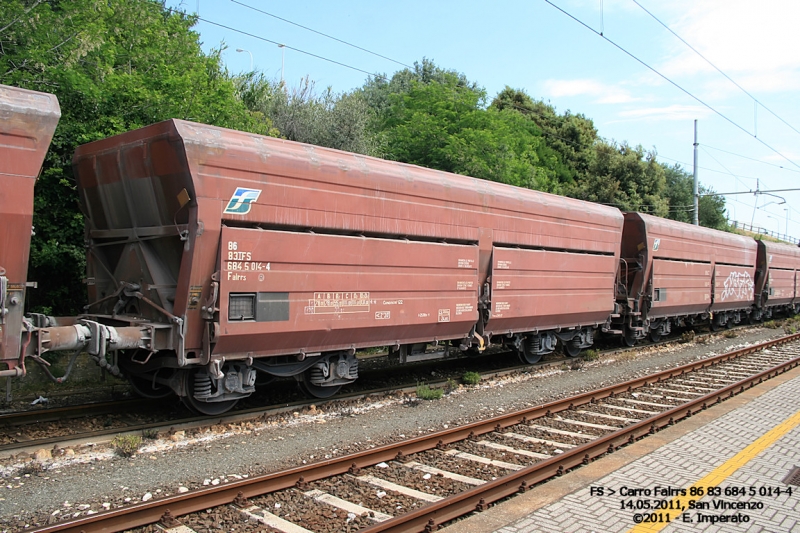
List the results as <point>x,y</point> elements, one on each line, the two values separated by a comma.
<point>241,200</point>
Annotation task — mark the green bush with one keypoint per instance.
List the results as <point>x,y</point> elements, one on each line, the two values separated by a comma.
<point>471,378</point>
<point>424,392</point>
<point>591,354</point>
<point>126,445</point>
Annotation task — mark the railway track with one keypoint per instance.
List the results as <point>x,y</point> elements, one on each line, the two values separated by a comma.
<point>421,483</point>
<point>142,415</point>
<point>99,422</point>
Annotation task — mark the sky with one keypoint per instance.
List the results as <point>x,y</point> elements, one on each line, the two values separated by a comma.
<point>637,81</point>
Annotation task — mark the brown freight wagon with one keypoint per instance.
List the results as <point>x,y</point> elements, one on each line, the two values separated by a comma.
<point>674,271</point>
<point>28,120</point>
<point>777,281</point>
<point>232,252</point>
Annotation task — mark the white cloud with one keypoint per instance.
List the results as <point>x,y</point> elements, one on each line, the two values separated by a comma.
<point>603,93</point>
<point>672,112</point>
<point>743,38</point>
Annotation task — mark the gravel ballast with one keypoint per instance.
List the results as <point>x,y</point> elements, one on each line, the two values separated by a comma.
<point>33,492</point>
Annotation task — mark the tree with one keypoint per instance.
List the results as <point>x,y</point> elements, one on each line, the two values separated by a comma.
<point>438,119</point>
<point>625,177</point>
<point>680,192</point>
<point>341,121</point>
<point>114,66</point>
<point>569,140</point>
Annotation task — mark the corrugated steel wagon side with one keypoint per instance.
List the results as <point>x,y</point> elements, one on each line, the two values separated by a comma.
<point>674,270</point>
<point>243,252</point>
<point>777,281</point>
<point>28,120</point>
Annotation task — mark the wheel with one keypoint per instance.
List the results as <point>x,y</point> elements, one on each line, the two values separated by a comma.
<point>315,391</point>
<point>527,357</point>
<point>150,380</point>
<point>572,348</point>
<point>715,326</point>
<point>654,335</point>
<point>145,386</point>
<point>204,408</point>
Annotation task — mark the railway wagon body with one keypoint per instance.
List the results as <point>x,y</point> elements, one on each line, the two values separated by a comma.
<point>233,252</point>
<point>673,270</point>
<point>777,281</point>
<point>28,120</point>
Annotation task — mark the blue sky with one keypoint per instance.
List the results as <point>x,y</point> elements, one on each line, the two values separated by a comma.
<point>531,45</point>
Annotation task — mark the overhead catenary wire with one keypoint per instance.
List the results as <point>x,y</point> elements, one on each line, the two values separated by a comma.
<point>242,32</point>
<point>752,159</point>
<point>723,166</point>
<point>716,68</point>
<point>384,77</point>
<point>669,80</point>
<point>323,34</point>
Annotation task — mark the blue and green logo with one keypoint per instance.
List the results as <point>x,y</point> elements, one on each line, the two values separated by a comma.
<point>241,201</point>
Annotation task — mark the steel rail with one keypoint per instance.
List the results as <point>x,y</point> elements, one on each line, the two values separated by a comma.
<point>478,499</point>
<point>452,507</point>
<point>107,408</point>
<point>24,418</point>
<point>55,414</point>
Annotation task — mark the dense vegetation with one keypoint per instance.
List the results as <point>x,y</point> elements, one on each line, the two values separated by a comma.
<point>117,66</point>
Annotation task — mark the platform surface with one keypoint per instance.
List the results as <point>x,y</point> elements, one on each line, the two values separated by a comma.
<point>743,448</point>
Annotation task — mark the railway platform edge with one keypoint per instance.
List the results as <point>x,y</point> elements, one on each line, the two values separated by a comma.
<point>676,457</point>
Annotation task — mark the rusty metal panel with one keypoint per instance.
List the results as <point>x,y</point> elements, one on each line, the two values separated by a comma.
<point>734,287</point>
<point>669,239</point>
<point>243,179</point>
<point>781,286</point>
<point>141,211</point>
<point>777,267</point>
<point>543,289</point>
<point>730,258</point>
<point>312,292</point>
<point>782,256</point>
<point>297,185</point>
<point>28,120</point>
<point>680,287</point>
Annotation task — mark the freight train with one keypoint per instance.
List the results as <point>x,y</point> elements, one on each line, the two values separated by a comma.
<point>214,254</point>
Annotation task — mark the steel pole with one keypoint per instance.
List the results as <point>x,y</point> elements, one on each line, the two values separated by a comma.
<point>696,195</point>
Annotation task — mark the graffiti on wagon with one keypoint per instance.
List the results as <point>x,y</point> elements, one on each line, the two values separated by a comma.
<point>738,285</point>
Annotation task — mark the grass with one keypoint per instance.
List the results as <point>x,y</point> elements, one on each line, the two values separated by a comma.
<point>471,378</point>
<point>730,334</point>
<point>687,336</point>
<point>424,392</point>
<point>591,354</point>
<point>126,445</point>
